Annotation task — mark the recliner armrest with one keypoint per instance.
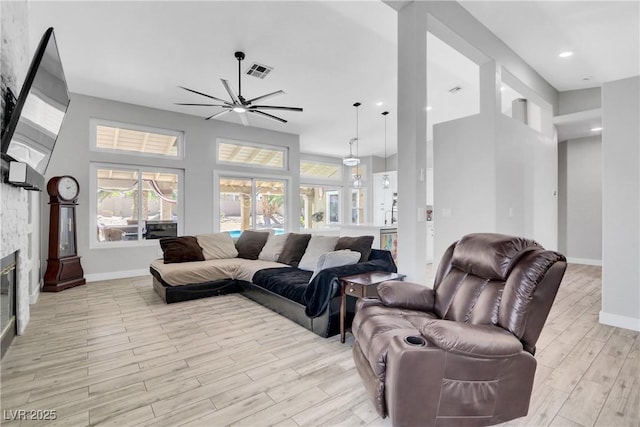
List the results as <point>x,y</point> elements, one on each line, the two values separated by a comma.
<point>411,296</point>
<point>464,338</point>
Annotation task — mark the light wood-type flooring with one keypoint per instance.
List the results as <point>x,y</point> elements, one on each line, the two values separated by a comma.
<point>112,353</point>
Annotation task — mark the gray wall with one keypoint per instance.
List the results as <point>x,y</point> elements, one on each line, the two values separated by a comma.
<point>454,25</point>
<point>621,203</point>
<point>572,101</point>
<point>580,199</point>
<point>72,156</point>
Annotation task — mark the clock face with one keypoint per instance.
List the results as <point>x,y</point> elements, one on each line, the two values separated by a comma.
<point>68,188</point>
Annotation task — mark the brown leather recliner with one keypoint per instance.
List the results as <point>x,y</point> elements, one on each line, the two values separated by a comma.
<point>460,354</point>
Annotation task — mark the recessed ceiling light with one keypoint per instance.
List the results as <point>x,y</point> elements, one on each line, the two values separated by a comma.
<point>429,108</point>
<point>379,103</point>
<point>596,129</point>
<point>502,88</point>
<point>565,54</point>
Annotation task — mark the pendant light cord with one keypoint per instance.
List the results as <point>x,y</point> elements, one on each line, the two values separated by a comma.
<point>357,104</point>
<point>385,139</point>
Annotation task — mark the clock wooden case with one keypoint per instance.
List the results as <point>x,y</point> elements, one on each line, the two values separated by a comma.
<point>63,265</point>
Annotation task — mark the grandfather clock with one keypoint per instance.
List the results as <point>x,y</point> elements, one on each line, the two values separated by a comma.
<point>63,266</point>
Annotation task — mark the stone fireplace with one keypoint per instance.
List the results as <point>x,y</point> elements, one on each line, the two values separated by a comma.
<point>7,301</point>
<point>20,234</point>
<point>19,209</point>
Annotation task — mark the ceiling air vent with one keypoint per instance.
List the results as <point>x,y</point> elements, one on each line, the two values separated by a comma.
<point>258,70</point>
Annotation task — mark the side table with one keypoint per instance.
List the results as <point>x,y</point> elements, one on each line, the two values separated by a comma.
<point>364,285</point>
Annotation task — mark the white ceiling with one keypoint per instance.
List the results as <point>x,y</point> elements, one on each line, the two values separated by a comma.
<point>603,35</point>
<point>326,55</point>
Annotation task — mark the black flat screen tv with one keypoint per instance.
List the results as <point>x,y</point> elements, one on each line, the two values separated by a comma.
<point>35,123</point>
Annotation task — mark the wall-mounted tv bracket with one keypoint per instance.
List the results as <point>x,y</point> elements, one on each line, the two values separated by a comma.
<point>9,101</point>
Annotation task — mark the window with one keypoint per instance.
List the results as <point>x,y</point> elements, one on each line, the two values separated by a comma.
<point>137,140</point>
<point>319,206</point>
<point>358,203</point>
<point>248,154</point>
<point>319,170</point>
<point>252,203</point>
<point>134,203</point>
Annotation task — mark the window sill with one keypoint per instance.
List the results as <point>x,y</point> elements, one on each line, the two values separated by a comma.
<point>121,244</point>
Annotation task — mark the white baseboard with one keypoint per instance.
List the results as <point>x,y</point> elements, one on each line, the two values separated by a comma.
<point>620,321</point>
<point>96,277</point>
<point>585,261</point>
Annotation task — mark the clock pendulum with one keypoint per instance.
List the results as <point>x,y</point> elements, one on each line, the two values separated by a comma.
<point>63,265</point>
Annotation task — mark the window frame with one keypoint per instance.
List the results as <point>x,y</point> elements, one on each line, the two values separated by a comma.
<point>218,174</point>
<point>284,149</point>
<point>94,243</point>
<point>94,122</point>
<point>318,179</point>
<point>327,188</point>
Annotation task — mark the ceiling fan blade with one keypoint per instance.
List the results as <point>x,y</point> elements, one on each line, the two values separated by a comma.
<point>267,115</point>
<point>218,114</point>
<point>244,118</point>
<point>202,105</point>
<point>269,95</point>
<point>274,107</point>
<point>204,94</point>
<point>232,94</point>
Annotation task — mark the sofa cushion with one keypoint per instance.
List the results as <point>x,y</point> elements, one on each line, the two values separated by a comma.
<point>273,248</point>
<point>360,244</point>
<point>335,259</point>
<point>217,246</point>
<point>188,273</point>
<point>181,249</point>
<point>288,282</point>
<point>294,248</point>
<point>247,269</point>
<point>250,243</point>
<point>317,246</point>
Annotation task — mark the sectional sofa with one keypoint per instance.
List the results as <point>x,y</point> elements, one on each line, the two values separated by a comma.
<point>296,275</point>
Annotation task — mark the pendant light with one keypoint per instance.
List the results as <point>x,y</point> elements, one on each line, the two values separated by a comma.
<point>386,182</point>
<point>351,160</point>
<point>357,178</point>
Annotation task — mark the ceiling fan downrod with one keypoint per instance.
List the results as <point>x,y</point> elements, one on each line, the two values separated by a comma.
<point>239,56</point>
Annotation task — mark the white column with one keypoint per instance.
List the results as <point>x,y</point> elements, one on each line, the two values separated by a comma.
<point>412,142</point>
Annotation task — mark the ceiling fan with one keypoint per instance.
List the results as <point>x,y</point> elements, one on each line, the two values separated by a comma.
<point>238,103</point>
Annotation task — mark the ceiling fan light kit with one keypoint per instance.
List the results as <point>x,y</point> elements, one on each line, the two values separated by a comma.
<point>238,103</point>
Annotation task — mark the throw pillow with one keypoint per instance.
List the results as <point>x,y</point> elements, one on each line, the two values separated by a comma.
<point>217,246</point>
<point>181,249</point>
<point>360,244</point>
<point>335,259</point>
<point>273,248</point>
<point>250,243</point>
<point>294,248</point>
<point>317,246</point>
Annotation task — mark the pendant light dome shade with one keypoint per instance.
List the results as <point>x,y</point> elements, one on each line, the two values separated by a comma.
<point>357,181</point>
<point>386,181</point>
